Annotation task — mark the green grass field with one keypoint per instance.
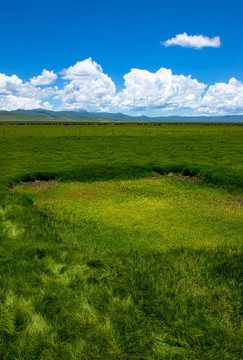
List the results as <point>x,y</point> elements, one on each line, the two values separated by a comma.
<point>121,242</point>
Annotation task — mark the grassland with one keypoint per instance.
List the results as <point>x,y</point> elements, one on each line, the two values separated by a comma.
<point>105,256</point>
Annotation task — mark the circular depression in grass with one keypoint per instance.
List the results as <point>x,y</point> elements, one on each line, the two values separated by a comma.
<point>153,213</point>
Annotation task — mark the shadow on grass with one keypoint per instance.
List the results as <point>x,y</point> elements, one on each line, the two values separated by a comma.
<point>99,172</point>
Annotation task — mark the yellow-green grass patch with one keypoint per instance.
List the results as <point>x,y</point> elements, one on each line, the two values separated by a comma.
<point>158,212</point>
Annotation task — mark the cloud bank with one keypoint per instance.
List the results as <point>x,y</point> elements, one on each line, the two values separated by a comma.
<point>193,41</point>
<point>84,85</point>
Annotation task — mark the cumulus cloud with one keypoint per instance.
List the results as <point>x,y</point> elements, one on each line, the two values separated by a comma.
<point>9,84</point>
<point>193,41</point>
<point>86,68</point>
<point>11,102</point>
<point>15,94</point>
<point>89,87</point>
<point>15,86</point>
<point>46,78</point>
<point>144,89</point>
<point>224,98</point>
<point>86,86</point>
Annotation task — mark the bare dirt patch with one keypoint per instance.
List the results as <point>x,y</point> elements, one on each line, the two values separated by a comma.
<point>179,175</point>
<point>37,185</point>
<point>238,202</point>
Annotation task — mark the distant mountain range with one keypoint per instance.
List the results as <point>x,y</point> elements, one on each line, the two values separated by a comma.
<point>84,116</point>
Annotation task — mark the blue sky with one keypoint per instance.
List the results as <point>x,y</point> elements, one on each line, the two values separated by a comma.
<point>120,36</point>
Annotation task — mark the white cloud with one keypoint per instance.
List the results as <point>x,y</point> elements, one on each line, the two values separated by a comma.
<point>15,94</point>
<point>86,86</point>
<point>9,84</point>
<point>82,69</point>
<point>224,98</point>
<point>12,102</point>
<point>193,41</point>
<point>89,87</point>
<point>15,86</point>
<point>144,89</point>
<point>46,78</point>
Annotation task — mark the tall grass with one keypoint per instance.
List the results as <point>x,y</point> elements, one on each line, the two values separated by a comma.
<point>112,260</point>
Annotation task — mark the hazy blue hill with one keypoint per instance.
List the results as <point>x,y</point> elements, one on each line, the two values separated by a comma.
<point>82,115</point>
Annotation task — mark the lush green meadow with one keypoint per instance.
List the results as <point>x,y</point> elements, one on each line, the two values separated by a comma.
<point>120,241</point>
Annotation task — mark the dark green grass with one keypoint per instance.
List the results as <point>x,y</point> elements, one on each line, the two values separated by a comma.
<point>67,293</point>
<point>88,152</point>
